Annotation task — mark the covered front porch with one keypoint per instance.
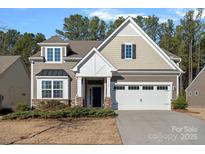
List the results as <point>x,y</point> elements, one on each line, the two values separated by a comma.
<point>93,74</point>
<point>94,92</point>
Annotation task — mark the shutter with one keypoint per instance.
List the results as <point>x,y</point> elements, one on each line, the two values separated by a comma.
<point>63,51</point>
<point>134,51</point>
<point>43,51</point>
<point>122,51</point>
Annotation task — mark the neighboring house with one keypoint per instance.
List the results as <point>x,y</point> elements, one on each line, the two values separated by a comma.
<point>14,82</point>
<point>126,71</point>
<point>195,92</point>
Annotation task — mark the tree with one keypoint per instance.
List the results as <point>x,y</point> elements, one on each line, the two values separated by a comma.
<point>94,28</point>
<point>190,24</point>
<point>151,27</point>
<point>102,30</point>
<point>140,21</point>
<point>113,25</point>
<point>26,46</point>
<point>8,40</point>
<point>75,27</point>
<point>166,35</point>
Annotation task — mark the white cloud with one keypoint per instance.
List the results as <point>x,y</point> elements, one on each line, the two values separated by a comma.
<point>180,12</point>
<point>202,16</point>
<point>110,14</point>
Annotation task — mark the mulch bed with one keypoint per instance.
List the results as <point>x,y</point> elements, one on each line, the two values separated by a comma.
<point>185,111</point>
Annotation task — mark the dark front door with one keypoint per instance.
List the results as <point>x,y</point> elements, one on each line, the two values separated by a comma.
<point>96,96</point>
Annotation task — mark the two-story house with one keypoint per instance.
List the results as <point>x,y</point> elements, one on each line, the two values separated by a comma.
<point>126,71</point>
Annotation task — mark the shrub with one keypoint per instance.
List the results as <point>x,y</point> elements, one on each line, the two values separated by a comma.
<point>75,112</point>
<point>180,103</point>
<point>22,107</point>
<point>51,105</point>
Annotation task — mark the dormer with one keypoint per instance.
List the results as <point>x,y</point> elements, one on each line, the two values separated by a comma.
<point>54,49</point>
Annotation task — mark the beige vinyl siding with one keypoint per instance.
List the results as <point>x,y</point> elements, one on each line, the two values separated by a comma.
<point>15,86</point>
<point>38,66</point>
<point>128,30</point>
<point>199,86</point>
<point>146,56</point>
<point>148,78</point>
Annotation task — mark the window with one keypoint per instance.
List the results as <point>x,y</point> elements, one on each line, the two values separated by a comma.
<point>119,87</point>
<point>52,89</point>
<point>53,54</point>
<point>128,51</point>
<point>57,54</point>
<point>190,93</point>
<point>50,54</point>
<point>162,87</point>
<point>46,89</point>
<point>196,93</point>
<point>148,88</point>
<point>57,89</point>
<point>133,87</point>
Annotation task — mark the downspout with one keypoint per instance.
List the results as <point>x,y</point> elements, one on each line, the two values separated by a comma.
<point>32,63</point>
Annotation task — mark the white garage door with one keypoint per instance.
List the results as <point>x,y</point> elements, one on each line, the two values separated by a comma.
<point>142,96</point>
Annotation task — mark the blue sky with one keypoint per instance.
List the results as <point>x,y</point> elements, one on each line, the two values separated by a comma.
<point>46,21</point>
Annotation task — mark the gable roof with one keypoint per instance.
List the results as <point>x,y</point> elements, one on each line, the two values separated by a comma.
<point>203,69</point>
<point>54,39</point>
<point>146,38</point>
<point>75,68</point>
<point>6,62</point>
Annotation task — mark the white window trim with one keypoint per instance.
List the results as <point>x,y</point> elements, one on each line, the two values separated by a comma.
<point>131,51</point>
<point>65,88</point>
<point>61,54</point>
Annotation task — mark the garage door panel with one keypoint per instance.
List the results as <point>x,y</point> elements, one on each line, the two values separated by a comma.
<point>156,99</point>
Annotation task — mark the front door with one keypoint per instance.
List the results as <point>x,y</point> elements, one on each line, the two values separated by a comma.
<point>96,92</point>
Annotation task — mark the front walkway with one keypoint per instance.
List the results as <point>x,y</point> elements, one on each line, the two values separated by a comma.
<point>160,127</point>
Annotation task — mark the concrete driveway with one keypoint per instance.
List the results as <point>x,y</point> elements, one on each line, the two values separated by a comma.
<point>160,127</point>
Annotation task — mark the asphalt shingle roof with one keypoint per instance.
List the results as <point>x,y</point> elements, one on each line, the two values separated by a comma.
<point>55,39</point>
<point>171,55</point>
<point>81,48</point>
<point>52,72</point>
<point>6,62</point>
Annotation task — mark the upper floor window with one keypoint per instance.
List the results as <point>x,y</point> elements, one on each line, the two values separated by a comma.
<point>54,55</point>
<point>128,51</point>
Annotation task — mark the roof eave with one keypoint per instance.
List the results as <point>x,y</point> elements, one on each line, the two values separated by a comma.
<point>42,44</point>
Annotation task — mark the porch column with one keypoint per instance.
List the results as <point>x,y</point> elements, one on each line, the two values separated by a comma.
<point>108,87</point>
<point>108,100</point>
<point>79,87</point>
<point>79,99</point>
<point>105,87</point>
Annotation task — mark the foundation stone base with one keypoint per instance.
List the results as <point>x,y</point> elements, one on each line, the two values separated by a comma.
<point>108,103</point>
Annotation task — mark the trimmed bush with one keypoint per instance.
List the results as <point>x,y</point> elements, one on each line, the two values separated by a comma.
<point>76,112</point>
<point>180,103</point>
<point>22,107</point>
<point>51,105</point>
